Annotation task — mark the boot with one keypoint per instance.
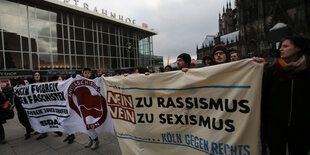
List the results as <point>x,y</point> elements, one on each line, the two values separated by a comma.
<point>89,143</point>
<point>71,139</point>
<point>27,136</point>
<point>43,135</point>
<point>95,144</point>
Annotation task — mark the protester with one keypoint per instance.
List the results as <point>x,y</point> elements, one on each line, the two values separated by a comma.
<point>234,55</point>
<point>151,69</point>
<point>8,92</point>
<point>207,60</point>
<point>183,61</point>
<point>220,54</point>
<point>21,113</point>
<point>99,72</point>
<point>140,70</point>
<point>92,143</point>
<point>70,138</point>
<point>160,69</point>
<point>57,78</point>
<point>2,118</point>
<point>168,68</point>
<point>285,101</point>
<point>36,78</point>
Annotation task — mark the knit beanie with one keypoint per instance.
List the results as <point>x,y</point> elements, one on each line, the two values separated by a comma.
<point>221,47</point>
<point>186,57</point>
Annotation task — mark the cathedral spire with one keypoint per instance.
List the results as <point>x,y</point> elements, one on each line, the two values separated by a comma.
<point>227,4</point>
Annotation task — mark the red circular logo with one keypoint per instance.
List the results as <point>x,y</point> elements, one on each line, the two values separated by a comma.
<point>85,99</point>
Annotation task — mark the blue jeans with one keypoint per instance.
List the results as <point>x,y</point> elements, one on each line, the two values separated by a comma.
<point>2,136</point>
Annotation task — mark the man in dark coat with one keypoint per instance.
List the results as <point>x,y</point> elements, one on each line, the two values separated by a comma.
<point>21,113</point>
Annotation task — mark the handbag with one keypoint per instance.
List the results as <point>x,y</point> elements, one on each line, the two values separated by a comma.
<point>9,114</point>
<point>6,105</point>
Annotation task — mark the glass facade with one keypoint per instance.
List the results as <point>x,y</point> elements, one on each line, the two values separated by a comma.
<point>36,38</point>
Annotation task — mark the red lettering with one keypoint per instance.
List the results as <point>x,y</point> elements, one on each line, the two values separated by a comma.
<point>121,106</point>
<point>121,113</point>
<point>120,99</point>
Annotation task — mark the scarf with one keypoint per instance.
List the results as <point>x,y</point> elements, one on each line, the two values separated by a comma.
<point>290,70</point>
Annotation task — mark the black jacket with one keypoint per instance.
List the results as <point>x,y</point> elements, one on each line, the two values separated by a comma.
<point>2,111</point>
<point>286,101</point>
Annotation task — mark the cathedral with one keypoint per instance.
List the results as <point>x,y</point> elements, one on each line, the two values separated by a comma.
<point>253,27</point>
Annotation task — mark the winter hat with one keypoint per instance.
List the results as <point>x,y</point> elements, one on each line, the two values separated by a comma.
<point>221,47</point>
<point>186,57</point>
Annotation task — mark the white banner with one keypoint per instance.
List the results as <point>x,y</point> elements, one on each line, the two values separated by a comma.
<point>75,105</point>
<point>211,110</point>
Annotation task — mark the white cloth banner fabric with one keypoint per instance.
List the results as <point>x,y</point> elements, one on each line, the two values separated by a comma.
<point>75,105</point>
<point>211,110</point>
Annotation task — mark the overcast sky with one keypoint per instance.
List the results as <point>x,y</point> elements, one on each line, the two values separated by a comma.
<point>181,24</point>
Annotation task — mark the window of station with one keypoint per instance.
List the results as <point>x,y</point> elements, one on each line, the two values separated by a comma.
<point>45,61</point>
<point>34,45</point>
<point>78,21</point>
<point>80,61</point>
<point>88,35</point>
<point>114,63</point>
<point>105,38</point>
<point>1,47</point>
<point>26,61</point>
<point>1,60</point>
<point>43,44</point>
<point>72,46</point>
<point>79,47</point>
<point>42,14</point>
<point>88,23</point>
<point>79,35</point>
<point>35,61</point>
<point>71,33</point>
<point>25,44</point>
<point>60,47</point>
<point>113,51</point>
<point>13,60</point>
<point>66,46</point>
<point>106,63</point>
<point>54,47</point>
<point>89,49</point>
<point>90,62</point>
<point>11,41</point>
<point>58,61</point>
<point>105,49</point>
<point>67,61</point>
<point>73,62</point>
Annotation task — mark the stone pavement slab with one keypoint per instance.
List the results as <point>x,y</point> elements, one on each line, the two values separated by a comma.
<point>53,144</point>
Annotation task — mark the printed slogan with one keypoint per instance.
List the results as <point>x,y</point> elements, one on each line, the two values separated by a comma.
<point>44,104</point>
<point>74,105</point>
<point>211,110</point>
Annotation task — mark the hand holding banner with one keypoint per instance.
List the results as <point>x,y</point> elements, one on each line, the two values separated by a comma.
<point>211,110</point>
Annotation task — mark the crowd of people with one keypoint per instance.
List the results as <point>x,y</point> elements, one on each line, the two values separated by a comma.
<point>7,96</point>
<point>285,104</point>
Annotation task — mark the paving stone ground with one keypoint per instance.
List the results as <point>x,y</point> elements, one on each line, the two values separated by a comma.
<point>53,144</point>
